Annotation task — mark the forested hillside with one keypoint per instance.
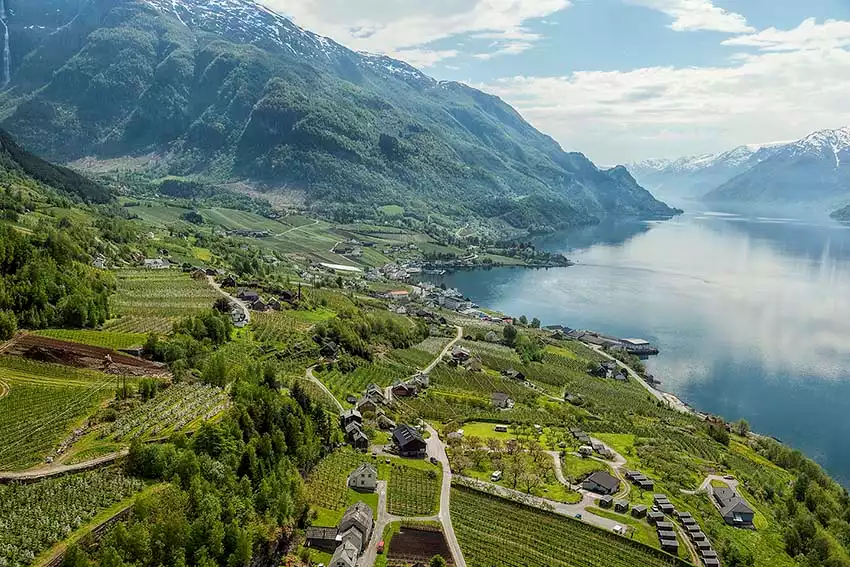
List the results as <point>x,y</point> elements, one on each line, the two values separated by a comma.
<point>230,91</point>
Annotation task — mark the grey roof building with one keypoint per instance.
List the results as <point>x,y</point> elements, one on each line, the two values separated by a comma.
<point>345,556</point>
<point>733,508</point>
<point>601,482</point>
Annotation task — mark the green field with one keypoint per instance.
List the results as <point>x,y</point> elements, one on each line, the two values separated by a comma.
<point>150,300</point>
<point>106,339</point>
<point>413,492</point>
<point>41,405</point>
<point>499,533</point>
<point>354,383</point>
<point>327,485</point>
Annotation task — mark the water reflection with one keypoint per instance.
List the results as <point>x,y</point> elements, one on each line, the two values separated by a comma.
<point>752,315</point>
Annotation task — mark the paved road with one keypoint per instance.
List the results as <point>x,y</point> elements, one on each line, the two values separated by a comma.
<point>238,302</point>
<point>665,397</point>
<point>312,377</point>
<point>437,449</point>
<point>49,471</point>
<point>706,484</point>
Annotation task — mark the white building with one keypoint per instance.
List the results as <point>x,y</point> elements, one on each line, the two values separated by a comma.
<point>364,478</point>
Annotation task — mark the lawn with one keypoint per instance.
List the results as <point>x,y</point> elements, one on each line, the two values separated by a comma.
<point>639,530</point>
<point>575,467</point>
<point>499,533</point>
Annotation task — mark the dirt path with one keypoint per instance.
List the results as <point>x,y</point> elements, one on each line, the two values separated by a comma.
<point>4,389</point>
<point>238,302</point>
<point>50,471</point>
<point>294,228</point>
<point>448,347</point>
<point>312,378</point>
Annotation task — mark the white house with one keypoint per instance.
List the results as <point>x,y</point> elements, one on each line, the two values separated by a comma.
<point>364,478</point>
<point>156,264</point>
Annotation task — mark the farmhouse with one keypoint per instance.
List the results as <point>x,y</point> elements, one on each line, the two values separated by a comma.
<point>409,441</point>
<point>156,264</point>
<point>366,406</point>
<point>348,539</point>
<point>323,538</point>
<point>260,306</point>
<point>601,482</point>
<point>354,434</point>
<point>364,478</point>
<point>248,295</point>
<point>501,400</point>
<point>514,375</point>
<point>734,509</point>
<point>461,354</point>
<point>376,394</point>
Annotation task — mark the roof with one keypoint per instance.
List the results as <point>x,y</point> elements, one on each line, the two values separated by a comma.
<point>636,342</point>
<point>404,435</point>
<point>639,508</point>
<point>345,554</point>
<point>604,480</point>
<point>321,533</point>
<point>666,534</point>
<point>358,515</point>
<point>499,397</point>
<point>349,414</point>
<point>365,468</point>
<point>736,506</point>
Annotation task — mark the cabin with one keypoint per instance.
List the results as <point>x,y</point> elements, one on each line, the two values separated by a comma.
<point>653,517</point>
<point>621,506</point>
<point>366,406</point>
<point>639,511</point>
<point>671,546</point>
<point>275,304</point>
<point>409,441</point>
<point>326,539</point>
<point>260,306</point>
<point>601,482</point>
<point>514,375</point>
<point>585,450</point>
<point>199,274</point>
<point>501,429</point>
<point>666,535</point>
<point>364,478</point>
<point>606,501</point>
<point>350,416</point>
<point>248,295</point>
<point>461,354</point>
<point>229,281</point>
<point>697,536</point>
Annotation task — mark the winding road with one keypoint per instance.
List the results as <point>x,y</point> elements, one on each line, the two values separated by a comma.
<point>312,378</point>
<point>446,349</point>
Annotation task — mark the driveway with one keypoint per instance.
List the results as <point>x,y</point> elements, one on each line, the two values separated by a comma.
<point>447,348</point>
<point>56,470</point>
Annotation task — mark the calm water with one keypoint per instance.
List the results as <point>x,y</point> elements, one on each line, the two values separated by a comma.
<point>752,314</point>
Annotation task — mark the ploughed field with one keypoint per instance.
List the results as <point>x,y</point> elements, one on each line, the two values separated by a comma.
<point>494,532</point>
<point>416,545</point>
<point>47,349</point>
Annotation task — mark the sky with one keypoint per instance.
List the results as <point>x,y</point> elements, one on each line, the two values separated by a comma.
<point>622,80</point>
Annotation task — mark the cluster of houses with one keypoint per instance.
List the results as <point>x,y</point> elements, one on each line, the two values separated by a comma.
<point>349,539</point>
<point>407,440</point>
<point>589,446</point>
<point>257,303</point>
<point>609,369</point>
<point>640,480</point>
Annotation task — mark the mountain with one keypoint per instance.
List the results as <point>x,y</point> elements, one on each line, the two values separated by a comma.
<point>693,176</point>
<point>19,163</point>
<point>815,169</point>
<point>226,90</point>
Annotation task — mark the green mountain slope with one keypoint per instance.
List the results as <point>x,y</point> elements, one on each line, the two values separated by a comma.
<point>229,91</point>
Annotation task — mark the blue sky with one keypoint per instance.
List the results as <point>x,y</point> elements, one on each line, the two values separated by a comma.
<point>622,80</point>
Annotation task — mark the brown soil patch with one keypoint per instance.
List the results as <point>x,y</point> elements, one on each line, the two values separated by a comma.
<point>410,546</point>
<point>45,349</point>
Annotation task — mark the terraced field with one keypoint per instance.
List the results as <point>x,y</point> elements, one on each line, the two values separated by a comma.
<point>104,339</point>
<point>40,404</point>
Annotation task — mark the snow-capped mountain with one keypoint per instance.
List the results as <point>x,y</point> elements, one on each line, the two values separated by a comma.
<point>693,176</point>
<point>812,168</point>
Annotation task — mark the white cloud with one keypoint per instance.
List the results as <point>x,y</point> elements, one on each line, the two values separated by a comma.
<point>405,28</point>
<point>618,116</point>
<point>698,15</point>
<point>507,48</point>
<point>831,34</point>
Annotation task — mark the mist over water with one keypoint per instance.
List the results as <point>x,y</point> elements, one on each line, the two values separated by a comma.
<point>751,313</point>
